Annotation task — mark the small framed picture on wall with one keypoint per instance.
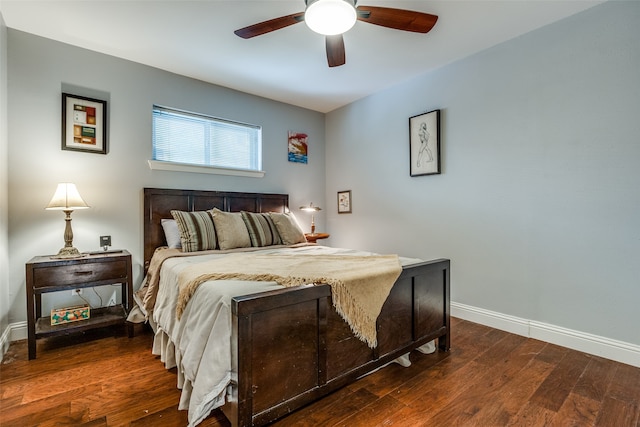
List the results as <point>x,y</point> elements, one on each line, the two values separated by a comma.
<point>298,147</point>
<point>344,201</point>
<point>424,143</point>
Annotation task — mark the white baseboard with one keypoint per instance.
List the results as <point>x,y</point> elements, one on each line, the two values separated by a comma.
<point>14,332</point>
<point>18,331</point>
<point>619,351</point>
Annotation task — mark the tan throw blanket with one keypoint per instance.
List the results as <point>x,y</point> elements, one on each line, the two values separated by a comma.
<point>149,289</point>
<point>359,284</point>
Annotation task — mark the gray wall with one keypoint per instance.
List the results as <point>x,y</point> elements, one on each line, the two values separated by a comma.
<point>538,203</point>
<point>4,210</point>
<point>40,69</point>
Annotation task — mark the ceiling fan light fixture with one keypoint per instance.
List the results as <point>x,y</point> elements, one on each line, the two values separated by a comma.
<point>330,17</point>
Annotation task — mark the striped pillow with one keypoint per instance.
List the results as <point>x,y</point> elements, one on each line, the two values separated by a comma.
<point>262,230</point>
<point>197,232</point>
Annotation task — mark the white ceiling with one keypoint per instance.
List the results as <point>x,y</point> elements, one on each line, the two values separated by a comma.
<point>195,39</point>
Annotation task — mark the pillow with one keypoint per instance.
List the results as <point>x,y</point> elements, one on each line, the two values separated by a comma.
<point>288,228</point>
<point>232,233</point>
<point>197,231</point>
<point>261,228</point>
<point>171,233</point>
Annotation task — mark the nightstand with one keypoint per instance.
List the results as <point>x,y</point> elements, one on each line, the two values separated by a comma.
<point>312,237</point>
<point>46,274</point>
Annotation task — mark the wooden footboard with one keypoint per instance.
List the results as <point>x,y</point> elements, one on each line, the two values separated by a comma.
<point>293,348</point>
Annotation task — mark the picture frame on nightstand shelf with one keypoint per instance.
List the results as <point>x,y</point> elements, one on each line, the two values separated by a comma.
<point>84,124</point>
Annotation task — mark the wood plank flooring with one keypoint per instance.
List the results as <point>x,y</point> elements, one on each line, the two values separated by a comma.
<point>489,378</point>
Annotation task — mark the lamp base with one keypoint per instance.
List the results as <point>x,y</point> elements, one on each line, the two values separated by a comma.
<point>68,252</point>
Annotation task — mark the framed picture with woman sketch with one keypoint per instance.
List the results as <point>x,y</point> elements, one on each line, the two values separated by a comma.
<point>424,143</point>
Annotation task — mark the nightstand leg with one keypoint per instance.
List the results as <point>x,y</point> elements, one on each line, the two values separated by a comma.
<point>31,341</point>
<point>32,301</point>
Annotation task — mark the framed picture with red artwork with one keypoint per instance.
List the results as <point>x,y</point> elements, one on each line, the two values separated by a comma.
<point>84,124</point>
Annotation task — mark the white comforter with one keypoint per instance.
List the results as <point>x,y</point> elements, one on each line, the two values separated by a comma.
<point>200,344</point>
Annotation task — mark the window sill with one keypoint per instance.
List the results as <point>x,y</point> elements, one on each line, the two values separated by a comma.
<point>185,167</point>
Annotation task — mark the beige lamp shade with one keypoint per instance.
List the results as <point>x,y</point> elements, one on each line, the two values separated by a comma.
<point>313,210</point>
<point>66,197</point>
<point>310,208</point>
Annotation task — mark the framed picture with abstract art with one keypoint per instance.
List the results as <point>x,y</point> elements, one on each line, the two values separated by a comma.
<point>84,124</point>
<point>344,201</point>
<point>424,143</point>
<point>297,143</point>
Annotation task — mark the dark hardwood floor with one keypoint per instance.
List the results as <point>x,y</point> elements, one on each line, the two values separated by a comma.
<point>489,378</point>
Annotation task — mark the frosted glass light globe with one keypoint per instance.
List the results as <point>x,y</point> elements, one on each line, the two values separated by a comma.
<point>330,17</point>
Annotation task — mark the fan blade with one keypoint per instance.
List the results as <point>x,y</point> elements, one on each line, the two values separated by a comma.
<point>270,25</point>
<point>335,50</point>
<point>399,19</point>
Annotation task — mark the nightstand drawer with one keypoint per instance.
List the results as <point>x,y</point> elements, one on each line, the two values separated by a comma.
<point>79,273</point>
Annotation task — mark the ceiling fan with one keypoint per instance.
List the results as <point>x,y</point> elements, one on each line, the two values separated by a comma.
<point>332,18</point>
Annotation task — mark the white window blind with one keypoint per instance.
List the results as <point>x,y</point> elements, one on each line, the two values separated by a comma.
<point>195,139</point>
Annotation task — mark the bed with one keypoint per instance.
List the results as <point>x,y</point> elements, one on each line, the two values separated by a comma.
<point>289,345</point>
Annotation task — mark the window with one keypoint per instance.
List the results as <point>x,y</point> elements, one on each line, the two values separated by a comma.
<point>193,139</point>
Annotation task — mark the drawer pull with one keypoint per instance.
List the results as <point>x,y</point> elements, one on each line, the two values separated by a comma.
<point>83,273</point>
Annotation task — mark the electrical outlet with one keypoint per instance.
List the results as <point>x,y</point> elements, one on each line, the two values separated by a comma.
<point>76,292</point>
<point>105,241</point>
<point>113,299</point>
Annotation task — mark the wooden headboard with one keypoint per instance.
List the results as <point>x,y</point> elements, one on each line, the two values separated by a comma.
<point>158,203</point>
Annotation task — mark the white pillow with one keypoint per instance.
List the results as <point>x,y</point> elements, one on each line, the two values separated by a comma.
<point>171,233</point>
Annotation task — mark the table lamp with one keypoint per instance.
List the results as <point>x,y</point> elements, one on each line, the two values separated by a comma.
<point>67,199</point>
<point>313,210</point>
